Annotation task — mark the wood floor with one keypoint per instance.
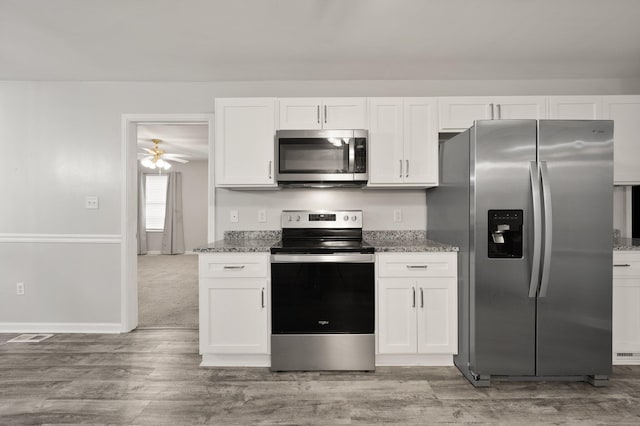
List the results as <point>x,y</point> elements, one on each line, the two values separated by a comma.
<point>153,377</point>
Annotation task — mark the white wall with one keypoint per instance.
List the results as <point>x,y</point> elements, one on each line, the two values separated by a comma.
<point>195,187</point>
<point>60,141</point>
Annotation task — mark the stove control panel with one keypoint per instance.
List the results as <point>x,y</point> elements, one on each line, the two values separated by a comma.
<point>321,219</point>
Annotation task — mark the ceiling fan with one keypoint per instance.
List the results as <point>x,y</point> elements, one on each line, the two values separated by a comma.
<point>156,158</point>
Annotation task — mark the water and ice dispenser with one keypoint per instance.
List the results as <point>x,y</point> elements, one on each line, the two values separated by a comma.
<point>505,234</point>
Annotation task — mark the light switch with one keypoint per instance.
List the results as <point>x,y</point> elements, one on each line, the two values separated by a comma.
<point>91,202</point>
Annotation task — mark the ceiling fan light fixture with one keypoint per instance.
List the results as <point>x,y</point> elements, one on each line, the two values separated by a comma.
<point>153,160</point>
<point>146,162</point>
<point>161,164</point>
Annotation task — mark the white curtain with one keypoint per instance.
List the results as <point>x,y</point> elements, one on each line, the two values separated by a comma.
<point>142,226</point>
<point>173,236</point>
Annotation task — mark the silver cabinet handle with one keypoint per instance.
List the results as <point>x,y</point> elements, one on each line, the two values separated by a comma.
<point>318,109</point>
<point>548,228</point>
<point>325,114</point>
<point>262,297</point>
<point>499,111</point>
<point>234,267</point>
<point>417,266</point>
<point>407,175</point>
<point>492,115</point>
<point>400,168</point>
<point>270,167</point>
<point>536,193</point>
<point>621,265</point>
<point>421,297</point>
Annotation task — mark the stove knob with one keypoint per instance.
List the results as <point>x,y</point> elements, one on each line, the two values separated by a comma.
<point>346,217</point>
<point>354,218</point>
<point>298,218</point>
<point>289,218</point>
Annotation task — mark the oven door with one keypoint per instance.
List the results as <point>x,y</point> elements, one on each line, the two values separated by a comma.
<point>307,156</point>
<point>322,294</point>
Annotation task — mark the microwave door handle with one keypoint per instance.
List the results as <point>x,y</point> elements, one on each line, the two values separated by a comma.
<point>352,155</point>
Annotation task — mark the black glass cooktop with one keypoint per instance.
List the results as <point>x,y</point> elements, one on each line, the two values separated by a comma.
<point>322,246</point>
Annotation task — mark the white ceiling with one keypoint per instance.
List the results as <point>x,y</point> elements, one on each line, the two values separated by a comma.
<point>208,40</point>
<point>187,139</point>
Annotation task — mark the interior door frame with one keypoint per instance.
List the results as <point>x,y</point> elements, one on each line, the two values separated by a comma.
<point>129,204</point>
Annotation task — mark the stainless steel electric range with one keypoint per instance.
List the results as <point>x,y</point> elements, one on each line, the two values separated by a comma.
<point>322,293</point>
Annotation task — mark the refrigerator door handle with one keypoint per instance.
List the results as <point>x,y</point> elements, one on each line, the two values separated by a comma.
<point>537,228</point>
<point>548,228</point>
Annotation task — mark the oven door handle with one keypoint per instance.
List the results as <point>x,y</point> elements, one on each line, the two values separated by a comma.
<point>323,258</point>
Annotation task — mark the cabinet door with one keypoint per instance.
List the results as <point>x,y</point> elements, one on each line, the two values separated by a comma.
<point>575,107</point>
<point>458,113</point>
<point>300,113</point>
<point>437,316</point>
<point>420,141</point>
<point>626,315</point>
<point>519,107</point>
<point>625,112</point>
<point>245,130</point>
<point>386,162</point>
<point>344,113</point>
<point>234,316</point>
<point>397,316</point>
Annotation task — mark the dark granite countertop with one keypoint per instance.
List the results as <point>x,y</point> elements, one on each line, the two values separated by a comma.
<point>382,241</point>
<point>624,244</point>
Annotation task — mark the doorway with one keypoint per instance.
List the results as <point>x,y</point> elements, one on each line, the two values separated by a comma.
<point>161,291</point>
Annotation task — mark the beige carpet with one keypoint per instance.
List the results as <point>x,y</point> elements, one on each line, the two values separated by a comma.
<point>168,291</point>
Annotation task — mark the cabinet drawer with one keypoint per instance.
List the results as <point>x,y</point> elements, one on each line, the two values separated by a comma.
<point>233,265</point>
<point>417,265</point>
<point>626,263</point>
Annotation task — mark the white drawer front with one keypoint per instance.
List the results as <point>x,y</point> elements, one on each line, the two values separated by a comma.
<point>417,264</point>
<point>233,265</point>
<point>626,263</point>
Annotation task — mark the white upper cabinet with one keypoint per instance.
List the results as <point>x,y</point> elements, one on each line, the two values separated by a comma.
<point>625,113</point>
<point>403,142</point>
<point>322,113</point>
<point>575,107</point>
<point>386,141</point>
<point>458,113</point>
<point>244,144</point>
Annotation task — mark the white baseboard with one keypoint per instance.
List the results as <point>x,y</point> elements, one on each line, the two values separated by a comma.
<point>435,360</point>
<point>236,360</point>
<point>62,327</point>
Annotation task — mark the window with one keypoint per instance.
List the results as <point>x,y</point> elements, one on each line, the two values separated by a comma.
<point>155,201</point>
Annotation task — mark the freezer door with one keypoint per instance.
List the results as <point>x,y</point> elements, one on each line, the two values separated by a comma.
<point>502,316</point>
<point>574,304</point>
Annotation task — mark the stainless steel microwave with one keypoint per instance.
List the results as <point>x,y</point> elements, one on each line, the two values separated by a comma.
<point>321,157</point>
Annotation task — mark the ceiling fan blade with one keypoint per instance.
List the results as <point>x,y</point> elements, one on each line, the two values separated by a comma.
<point>178,160</point>
<point>150,151</point>
<point>175,155</point>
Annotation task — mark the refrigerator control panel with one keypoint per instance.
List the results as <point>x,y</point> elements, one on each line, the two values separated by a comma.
<point>505,234</point>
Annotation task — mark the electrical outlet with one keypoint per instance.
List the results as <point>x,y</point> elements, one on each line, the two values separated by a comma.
<point>397,215</point>
<point>20,289</point>
<point>233,216</point>
<point>91,202</point>
<point>262,215</point>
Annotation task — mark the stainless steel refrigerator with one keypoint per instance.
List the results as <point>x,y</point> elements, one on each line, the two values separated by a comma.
<point>530,204</point>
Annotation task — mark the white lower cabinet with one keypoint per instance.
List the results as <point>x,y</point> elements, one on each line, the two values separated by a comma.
<point>234,309</point>
<point>417,319</point>
<point>626,307</point>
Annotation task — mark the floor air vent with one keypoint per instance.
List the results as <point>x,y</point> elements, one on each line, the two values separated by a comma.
<point>30,338</point>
